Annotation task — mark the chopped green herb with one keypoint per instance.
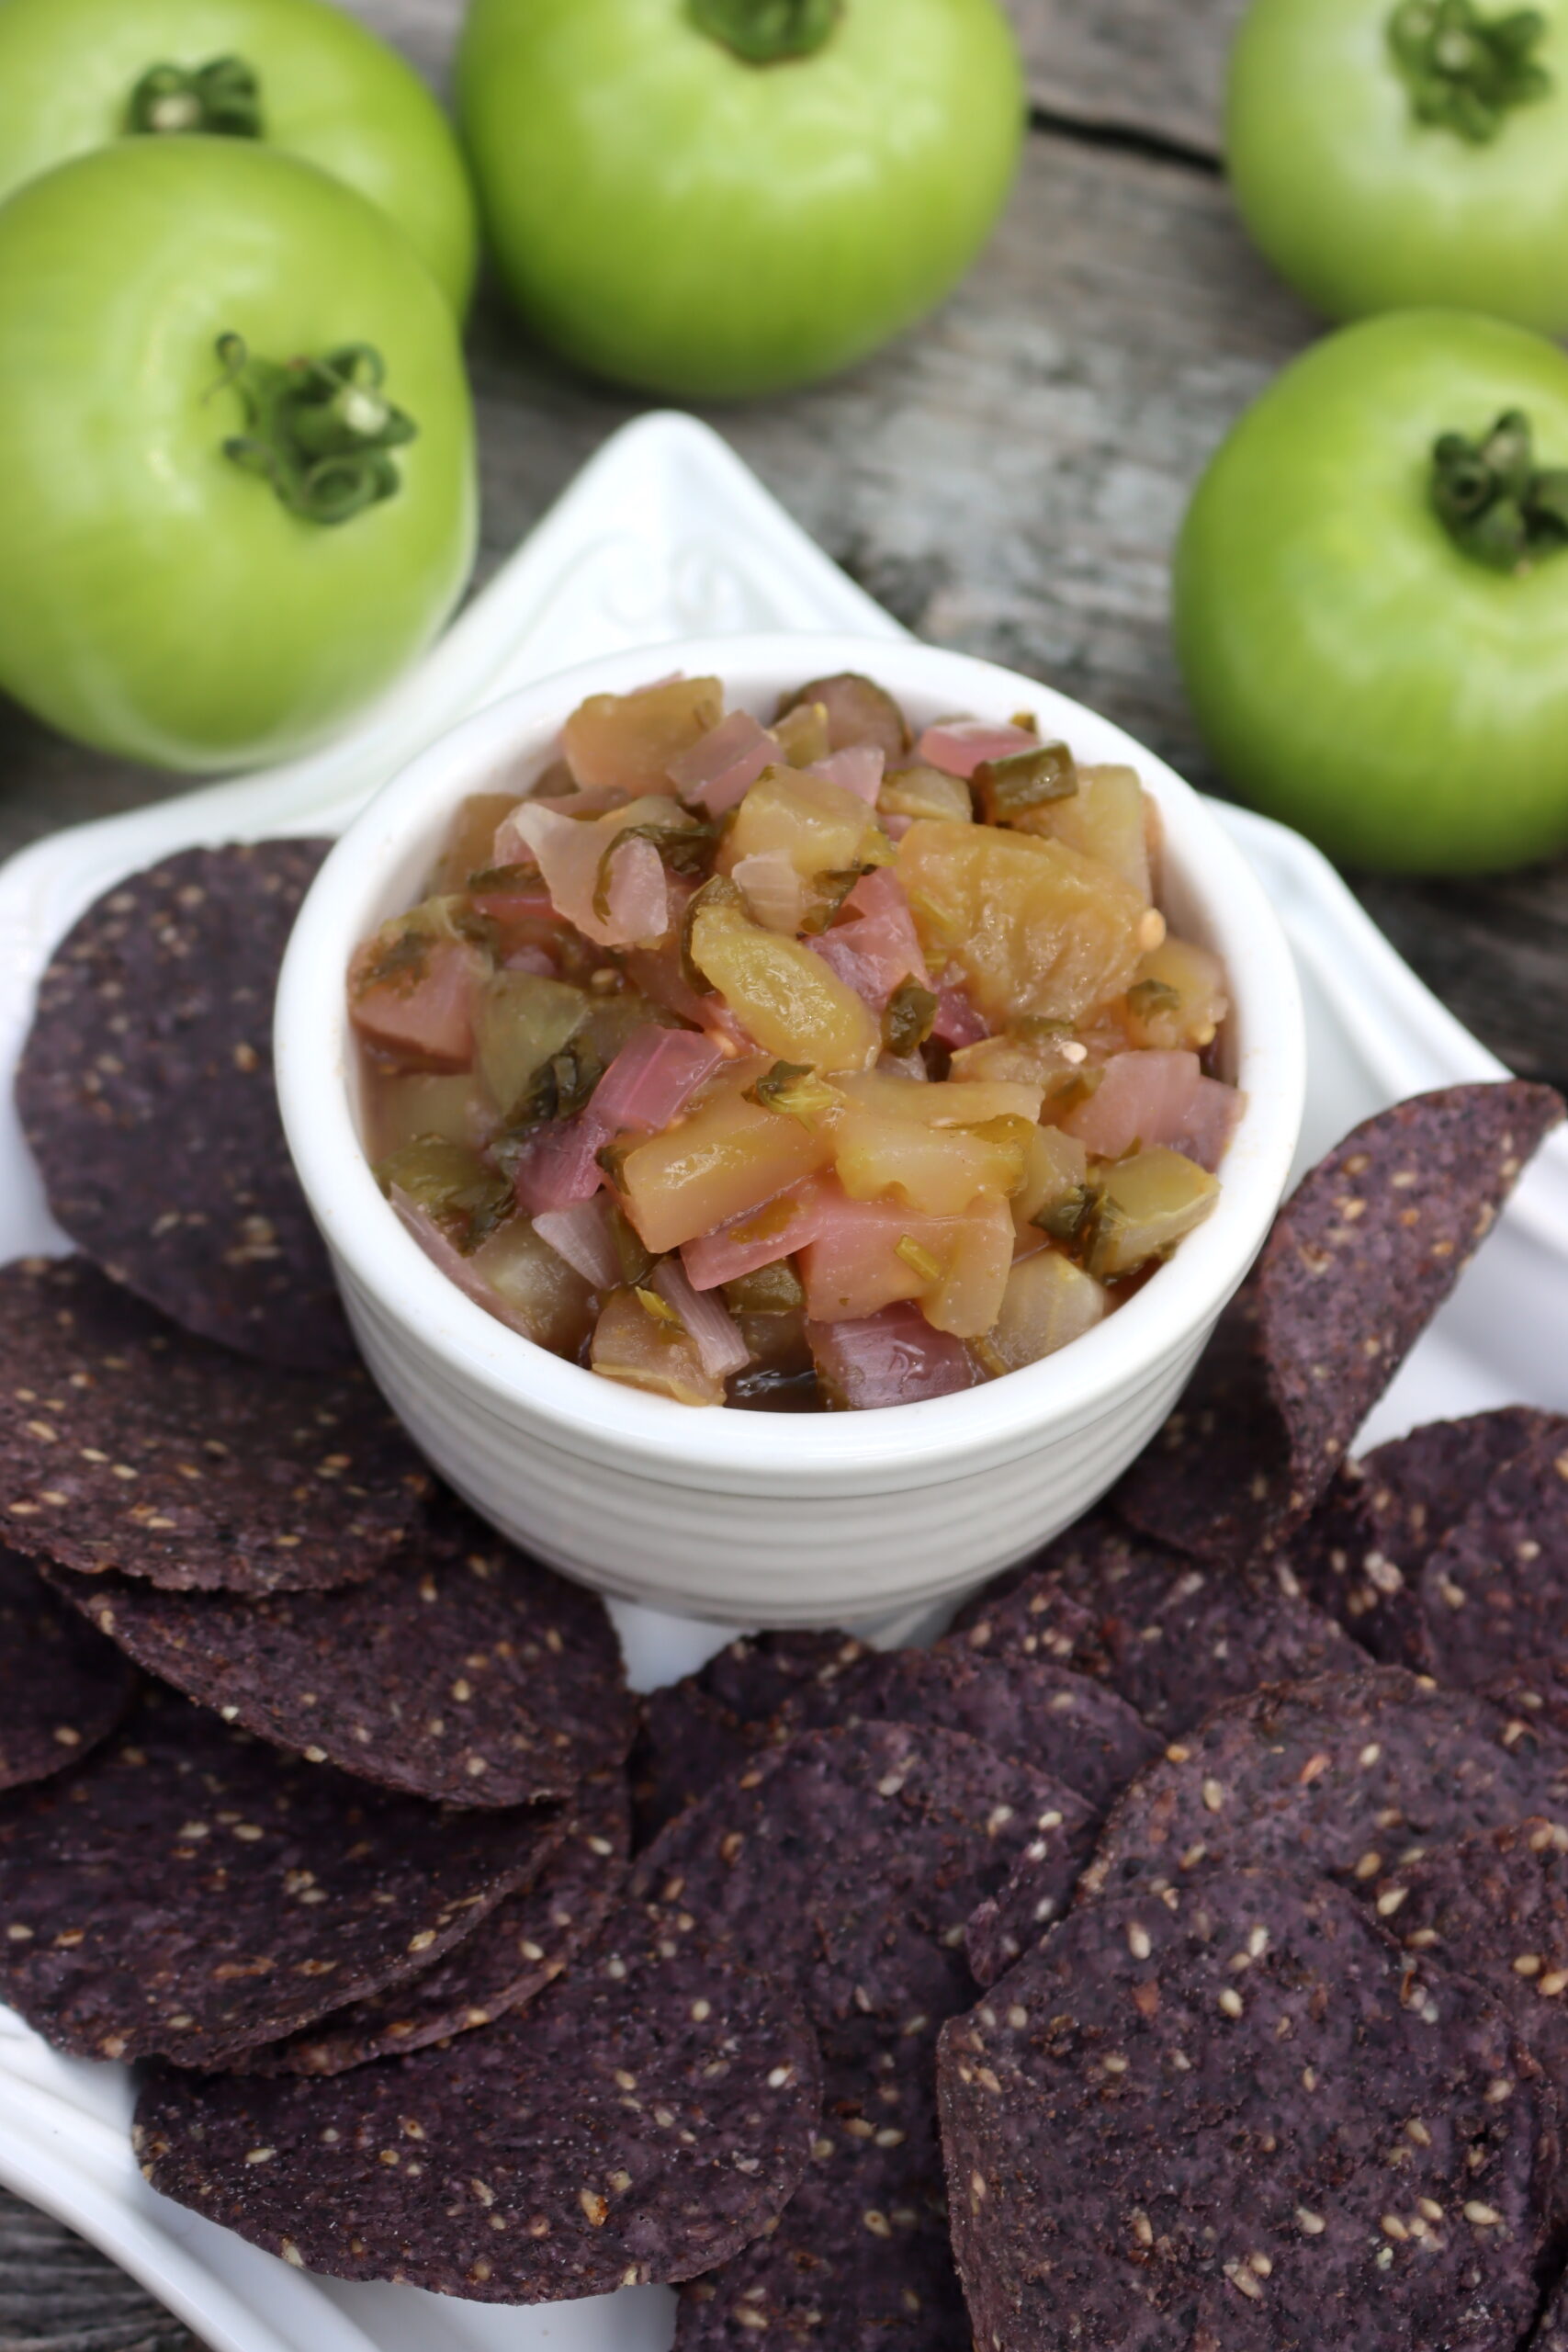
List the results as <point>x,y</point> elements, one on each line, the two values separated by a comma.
<point>918,1259</point>
<point>1010,788</point>
<point>794,1089</point>
<point>1069,1092</point>
<point>906,1024</point>
<point>833,889</point>
<point>1064,1220</point>
<point>492,879</point>
<point>1147,997</point>
<point>635,1262</point>
<point>462,1195</point>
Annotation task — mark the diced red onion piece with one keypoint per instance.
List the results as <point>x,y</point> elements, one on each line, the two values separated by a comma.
<point>719,771</point>
<point>894,1358</point>
<point>1143,1098</point>
<point>772,889</point>
<point>1213,1120</point>
<point>874,946</point>
<point>858,769</point>
<point>652,1079</point>
<point>560,1165</point>
<point>895,825</point>
<point>571,854</point>
<point>736,1249</point>
<point>581,1236</point>
<point>427,1024</point>
<point>451,1262</point>
<point>956,1021</point>
<point>718,1343</point>
<point>529,958</point>
<point>967,743</point>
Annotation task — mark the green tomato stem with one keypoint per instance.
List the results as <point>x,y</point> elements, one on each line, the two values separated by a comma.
<point>767,32</point>
<point>321,431</point>
<point>221,98</point>
<point>1499,507</point>
<point>1466,72</point>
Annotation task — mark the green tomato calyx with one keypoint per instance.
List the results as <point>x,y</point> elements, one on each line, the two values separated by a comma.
<point>1466,72</point>
<point>321,431</point>
<point>221,98</point>
<point>766,32</point>
<point>1496,503</point>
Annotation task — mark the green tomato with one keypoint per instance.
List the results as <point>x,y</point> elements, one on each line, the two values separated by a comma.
<point>1373,628</point>
<point>715,199</point>
<point>1391,156</point>
<point>300,74</point>
<point>213,558</point>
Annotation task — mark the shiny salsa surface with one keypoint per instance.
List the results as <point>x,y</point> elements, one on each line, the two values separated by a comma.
<point>808,1065</point>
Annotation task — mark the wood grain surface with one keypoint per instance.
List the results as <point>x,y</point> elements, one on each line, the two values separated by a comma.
<point>1009,481</point>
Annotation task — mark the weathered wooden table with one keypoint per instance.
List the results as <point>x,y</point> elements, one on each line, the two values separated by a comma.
<point>1009,481</point>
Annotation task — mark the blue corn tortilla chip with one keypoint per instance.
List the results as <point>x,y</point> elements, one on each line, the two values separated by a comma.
<point>1496,1907</point>
<point>694,1733</point>
<point>189,1892</point>
<point>1361,1554</point>
<point>861,2254</point>
<point>127,1444</point>
<point>1359,1260</point>
<point>62,1687</point>
<point>1025,1708</point>
<point>463,1672</point>
<point>1346,1776</point>
<point>1492,1596</point>
<point>145,1089</point>
<point>1172,1638</point>
<point>646,2117</point>
<point>1243,2120</point>
<point>849,1859</point>
<point>522,1946</point>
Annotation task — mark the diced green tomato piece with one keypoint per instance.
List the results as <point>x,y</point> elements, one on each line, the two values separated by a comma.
<point>771,1290</point>
<point>630,739</point>
<point>817,826</point>
<point>471,843</point>
<point>783,995</point>
<point>1055,1170</point>
<point>1035,927</point>
<point>880,1252</point>
<point>725,1156</point>
<point>1016,1059</point>
<point>636,1345</point>
<point>399,1109</point>
<point>614,1020</point>
<point>947,1103</point>
<point>859,711</point>
<point>547,1297</point>
<point>521,1019</point>
<point>777,1342</point>
<point>939,1171</point>
<point>927,792</point>
<point>802,734</point>
<point>1148,1204</point>
<point>458,1191</point>
<point>1048,1302</point>
<point>1103,820</point>
<point>1178,999</point>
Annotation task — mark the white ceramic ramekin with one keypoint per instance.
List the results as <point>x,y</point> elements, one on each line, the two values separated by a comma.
<point>751,1518</point>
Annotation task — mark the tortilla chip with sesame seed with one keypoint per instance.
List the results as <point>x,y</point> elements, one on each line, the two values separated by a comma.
<point>62,1687</point>
<point>1241,2119</point>
<point>644,2118</point>
<point>145,1089</point>
<point>463,1672</point>
<point>190,1892</point>
<point>515,1952</point>
<point>127,1444</point>
<point>1359,1259</point>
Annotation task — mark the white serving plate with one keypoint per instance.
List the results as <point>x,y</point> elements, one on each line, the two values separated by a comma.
<point>664,534</point>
